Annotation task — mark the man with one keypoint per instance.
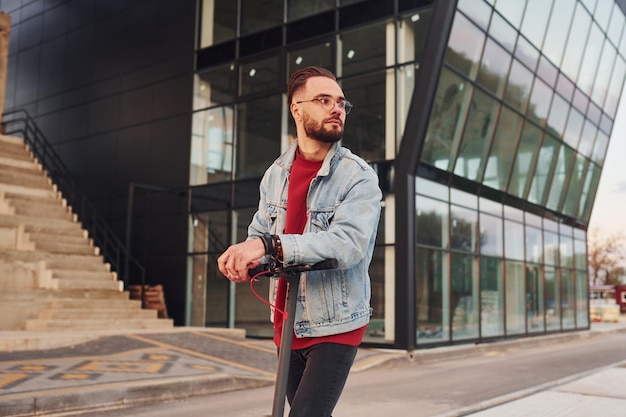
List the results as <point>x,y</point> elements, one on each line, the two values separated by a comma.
<point>317,201</point>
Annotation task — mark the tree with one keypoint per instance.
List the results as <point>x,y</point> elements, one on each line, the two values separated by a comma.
<point>606,256</point>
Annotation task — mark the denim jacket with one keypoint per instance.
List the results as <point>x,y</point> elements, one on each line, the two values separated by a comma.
<point>343,209</point>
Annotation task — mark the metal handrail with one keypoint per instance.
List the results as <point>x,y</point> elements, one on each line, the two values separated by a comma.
<point>115,252</point>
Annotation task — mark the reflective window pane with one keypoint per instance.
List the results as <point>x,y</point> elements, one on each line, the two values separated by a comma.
<point>297,9</point>
<point>566,247</point>
<point>433,303</point>
<point>602,14</point>
<point>431,189</point>
<point>494,68</point>
<point>534,298</point>
<point>212,146</point>
<point>491,237</point>
<point>587,138</point>
<point>219,22</point>
<point>588,192</point>
<point>464,296</point>
<point>539,104</point>
<point>491,297</point>
<point>568,299</point>
<point>550,247</point>
<point>431,222</point>
<point>465,46</point>
<point>582,297</point>
<point>536,20</point>
<point>576,43</point>
<point>543,169</point>
<point>526,53</point>
<point>258,135</point>
<point>547,72</point>
<point>590,60</point>
<point>412,35</point>
<point>534,244</point>
<point>558,115</point>
<point>599,148</point>
<point>515,298</point>
<point>565,87</point>
<point>616,25</point>
<point>580,254</point>
<point>476,10</point>
<point>320,54</point>
<point>503,32</point>
<point>570,205</point>
<point>258,15</point>
<point>615,87</point>
<point>364,131</point>
<point>575,121</point>
<point>215,86</point>
<point>260,75</point>
<point>502,152</point>
<point>558,28</point>
<point>524,159</point>
<point>564,166</point>
<point>463,229</point>
<point>476,136</point>
<point>364,49</point>
<point>603,77</point>
<point>446,120</point>
<point>463,199</point>
<point>519,86</point>
<point>553,311</point>
<point>511,10</point>
<point>514,240</point>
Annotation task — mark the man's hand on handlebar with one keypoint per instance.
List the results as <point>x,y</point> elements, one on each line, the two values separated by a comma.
<point>235,262</point>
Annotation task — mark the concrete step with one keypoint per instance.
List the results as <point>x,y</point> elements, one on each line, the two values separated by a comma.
<point>26,181</point>
<point>36,199</point>
<point>44,211</point>
<point>15,151</point>
<point>44,296</point>
<point>96,324</point>
<point>82,274</point>
<point>34,225</point>
<point>19,162</point>
<point>55,260</point>
<point>18,189</point>
<point>66,248</point>
<point>85,283</point>
<point>73,239</point>
<point>22,169</point>
<point>95,314</point>
<point>121,304</point>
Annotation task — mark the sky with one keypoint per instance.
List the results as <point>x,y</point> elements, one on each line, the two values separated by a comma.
<point>608,215</point>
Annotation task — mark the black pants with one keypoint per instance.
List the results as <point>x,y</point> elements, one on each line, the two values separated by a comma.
<point>317,376</point>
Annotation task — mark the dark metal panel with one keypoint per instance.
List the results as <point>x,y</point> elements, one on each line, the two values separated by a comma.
<point>406,168</point>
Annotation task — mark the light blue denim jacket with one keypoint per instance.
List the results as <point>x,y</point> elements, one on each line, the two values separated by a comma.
<point>343,209</point>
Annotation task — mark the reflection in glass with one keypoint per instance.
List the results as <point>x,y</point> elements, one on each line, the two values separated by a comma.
<point>463,229</point>
<point>513,240</point>
<point>615,87</point>
<point>599,148</point>
<point>558,116</point>
<point>558,28</point>
<point>536,20</point>
<point>364,49</point>
<point>259,76</point>
<point>518,87</point>
<point>615,25</point>
<point>503,32</point>
<point>258,137</point>
<point>491,297</point>
<point>589,189</point>
<point>431,222</point>
<point>571,136</point>
<point>526,53</point>
<point>539,103</point>
<point>572,197</point>
<point>376,329</point>
<point>524,159</point>
<point>587,139</point>
<point>515,298</point>
<point>259,15</point>
<point>319,54</point>
<point>550,247</point>
<point>297,9</point>
<point>219,22</point>
<point>405,79</point>
<point>464,296</point>
<point>603,77</point>
<point>580,254</point>
<point>547,72</point>
<point>588,68</point>
<point>491,240</point>
<point>412,36</point>
<point>217,85</point>
<point>477,10</point>
<point>364,130</point>
<point>446,120</point>
<point>483,111</point>
<point>500,159</point>
<point>534,245</point>
<point>534,299</point>
<point>512,11</point>
<point>561,176</point>
<point>543,169</point>
<point>212,146</point>
<point>566,247</point>
<point>576,43</point>
<point>582,297</point>
<point>494,67</point>
<point>568,299</point>
<point>553,311</point>
<point>433,303</point>
<point>465,46</point>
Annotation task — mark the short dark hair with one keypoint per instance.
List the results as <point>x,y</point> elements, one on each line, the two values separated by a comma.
<point>299,78</point>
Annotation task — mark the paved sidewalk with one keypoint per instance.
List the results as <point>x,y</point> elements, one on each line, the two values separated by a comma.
<point>139,367</point>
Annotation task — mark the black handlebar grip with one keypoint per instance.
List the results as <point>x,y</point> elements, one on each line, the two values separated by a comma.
<point>258,269</point>
<point>325,264</point>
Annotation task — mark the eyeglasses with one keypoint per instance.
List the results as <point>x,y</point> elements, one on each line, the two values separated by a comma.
<point>328,103</point>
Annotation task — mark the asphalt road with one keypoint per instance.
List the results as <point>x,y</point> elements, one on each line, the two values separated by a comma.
<point>421,390</point>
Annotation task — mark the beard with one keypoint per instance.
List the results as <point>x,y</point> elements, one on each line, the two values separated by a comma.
<point>317,131</point>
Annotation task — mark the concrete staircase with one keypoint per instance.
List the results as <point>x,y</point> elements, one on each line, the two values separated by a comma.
<point>52,277</point>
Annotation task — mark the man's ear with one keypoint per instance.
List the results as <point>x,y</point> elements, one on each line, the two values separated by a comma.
<point>295,111</point>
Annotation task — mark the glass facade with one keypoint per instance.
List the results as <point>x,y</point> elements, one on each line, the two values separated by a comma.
<point>511,153</point>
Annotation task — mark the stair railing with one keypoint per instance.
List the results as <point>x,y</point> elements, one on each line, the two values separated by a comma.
<point>114,251</point>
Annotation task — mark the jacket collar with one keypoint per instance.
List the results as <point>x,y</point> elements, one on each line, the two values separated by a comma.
<point>335,153</point>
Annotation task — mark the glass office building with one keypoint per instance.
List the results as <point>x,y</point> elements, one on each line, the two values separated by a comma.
<point>487,122</point>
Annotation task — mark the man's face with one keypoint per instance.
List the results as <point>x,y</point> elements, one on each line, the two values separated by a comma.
<point>324,125</point>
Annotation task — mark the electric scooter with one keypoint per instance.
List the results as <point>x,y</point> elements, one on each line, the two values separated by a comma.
<point>292,274</point>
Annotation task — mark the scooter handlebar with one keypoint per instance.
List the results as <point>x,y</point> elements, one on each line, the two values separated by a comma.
<point>293,269</point>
